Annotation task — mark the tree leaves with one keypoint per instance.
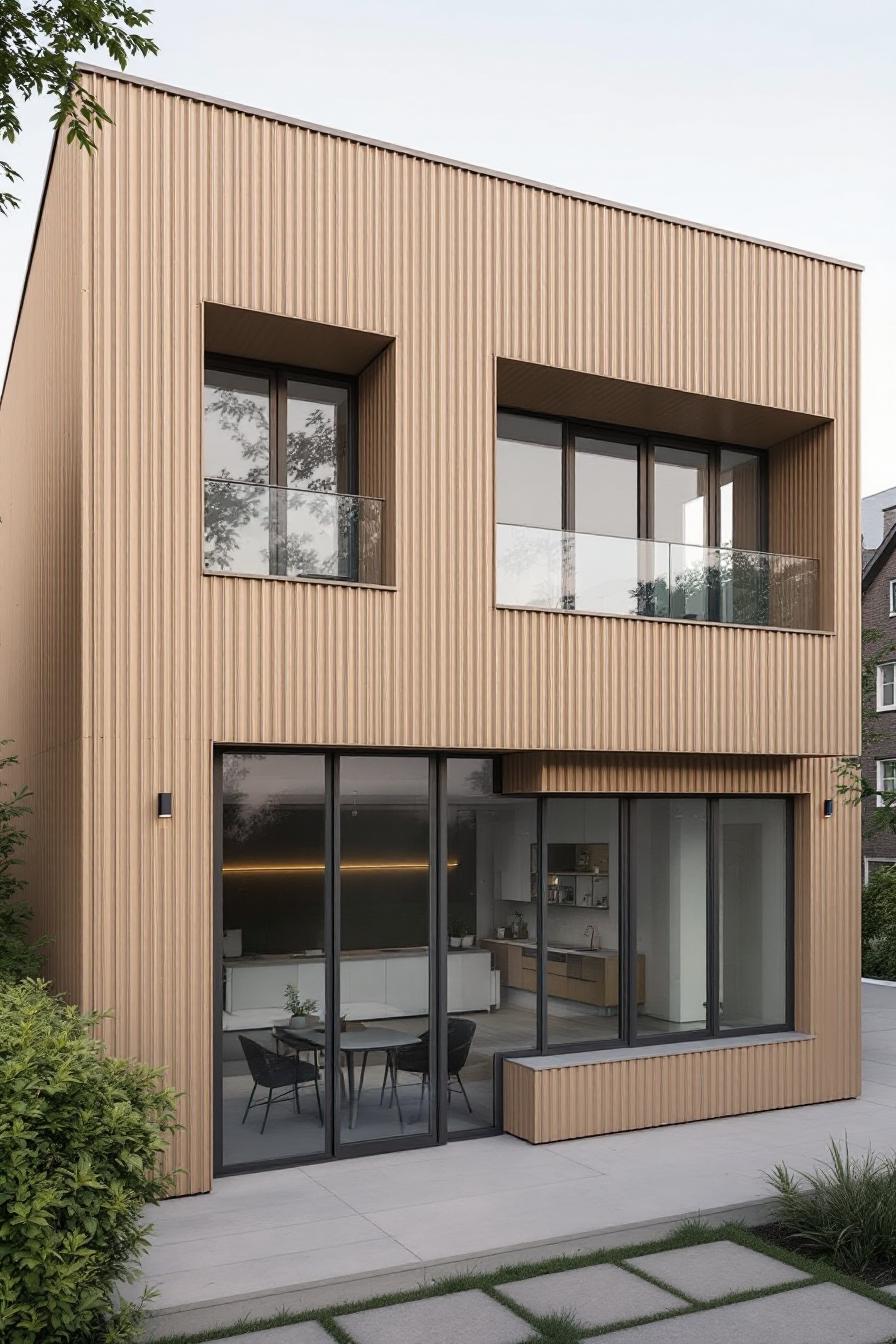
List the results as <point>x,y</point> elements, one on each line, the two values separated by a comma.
<point>39,46</point>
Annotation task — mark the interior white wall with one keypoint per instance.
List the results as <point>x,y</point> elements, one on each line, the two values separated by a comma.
<point>752,910</point>
<point>670,873</point>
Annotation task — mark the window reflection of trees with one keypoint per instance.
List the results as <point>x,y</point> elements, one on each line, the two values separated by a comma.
<point>231,509</point>
<point>309,530</point>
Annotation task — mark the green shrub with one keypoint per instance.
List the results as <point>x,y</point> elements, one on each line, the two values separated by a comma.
<point>81,1142</point>
<point>18,957</point>
<point>879,925</point>
<point>844,1211</point>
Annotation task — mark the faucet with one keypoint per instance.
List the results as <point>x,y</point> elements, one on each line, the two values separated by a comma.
<point>589,928</point>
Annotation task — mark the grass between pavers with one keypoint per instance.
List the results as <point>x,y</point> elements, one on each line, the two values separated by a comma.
<point>562,1327</point>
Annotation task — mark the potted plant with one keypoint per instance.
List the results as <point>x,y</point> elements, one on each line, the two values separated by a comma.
<point>301,1010</point>
<point>455,933</point>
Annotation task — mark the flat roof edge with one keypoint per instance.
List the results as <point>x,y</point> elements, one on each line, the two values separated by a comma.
<point>478,169</point>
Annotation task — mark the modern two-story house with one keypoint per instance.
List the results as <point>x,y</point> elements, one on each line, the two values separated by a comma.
<point>434,594</point>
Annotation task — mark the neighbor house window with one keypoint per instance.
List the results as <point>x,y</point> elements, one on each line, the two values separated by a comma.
<point>281,473</point>
<point>886,782</point>
<point>873,866</point>
<point>893,597</point>
<point>618,522</point>
<point>886,686</point>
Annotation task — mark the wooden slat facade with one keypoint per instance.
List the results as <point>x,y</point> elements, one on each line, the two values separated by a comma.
<point>130,664</point>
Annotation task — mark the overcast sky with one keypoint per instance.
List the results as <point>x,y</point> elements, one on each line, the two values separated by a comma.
<point>771,119</point>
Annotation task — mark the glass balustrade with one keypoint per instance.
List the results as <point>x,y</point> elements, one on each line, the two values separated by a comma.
<point>626,576</point>
<point>310,534</point>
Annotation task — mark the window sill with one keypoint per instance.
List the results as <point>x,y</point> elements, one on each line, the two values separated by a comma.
<point>300,578</point>
<point>667,620</point>
<point>580,1057</point>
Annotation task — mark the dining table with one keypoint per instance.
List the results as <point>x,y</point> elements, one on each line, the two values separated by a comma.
<point>363,1042</point>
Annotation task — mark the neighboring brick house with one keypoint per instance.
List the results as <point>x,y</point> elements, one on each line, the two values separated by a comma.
<point>879,734</point>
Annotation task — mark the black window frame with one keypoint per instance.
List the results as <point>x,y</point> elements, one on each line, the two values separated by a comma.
<point>347,467</point>
<point>628,1038</point>
<point>646,442</point>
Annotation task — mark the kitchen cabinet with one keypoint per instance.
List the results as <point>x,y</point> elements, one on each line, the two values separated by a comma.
<point>399,980</point>
<point>584,976</point>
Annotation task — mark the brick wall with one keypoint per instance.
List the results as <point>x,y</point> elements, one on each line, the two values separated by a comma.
<point>879,729</point>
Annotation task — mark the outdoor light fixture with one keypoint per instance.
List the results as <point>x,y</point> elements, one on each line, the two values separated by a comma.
<point>828,807</point>
<point>164,809</point>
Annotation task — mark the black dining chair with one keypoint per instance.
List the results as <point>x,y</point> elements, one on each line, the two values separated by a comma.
<point>277,1072</point>
<point>415,1058</point>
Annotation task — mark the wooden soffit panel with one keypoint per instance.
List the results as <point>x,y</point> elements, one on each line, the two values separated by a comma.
<point>247,334</point>
<point>662,410</point>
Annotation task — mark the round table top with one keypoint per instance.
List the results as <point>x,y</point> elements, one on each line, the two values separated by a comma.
<point>383,1038</point>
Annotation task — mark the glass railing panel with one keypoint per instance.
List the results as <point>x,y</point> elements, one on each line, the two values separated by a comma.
<point>618,576</point>
<point>237,527</point>
<point>265,529</point>
<point>792,592</point>
<point>581,571</point>
<point>532,567</point>
<point>693,575</point>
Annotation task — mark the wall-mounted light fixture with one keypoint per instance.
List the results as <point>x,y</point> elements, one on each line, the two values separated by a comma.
<point>828,808</point>
<point>164,807</point>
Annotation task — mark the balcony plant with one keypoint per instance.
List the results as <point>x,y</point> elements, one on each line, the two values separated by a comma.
<point>456,931</point>
<point>301,1010</point>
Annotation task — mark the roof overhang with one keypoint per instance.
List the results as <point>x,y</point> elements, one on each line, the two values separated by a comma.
<point>647,406</point>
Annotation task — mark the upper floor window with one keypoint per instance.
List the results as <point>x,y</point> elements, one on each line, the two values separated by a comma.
<point>886,686</point>
<point>893,597</point>
<point>886,782</point>
<point>281,474</point>
<point>618,522</point>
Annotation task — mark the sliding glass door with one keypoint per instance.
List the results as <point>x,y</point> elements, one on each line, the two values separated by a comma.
<point>383,1036</point>
<point>492,925</point>
<point>582,920</point>
<point>378,935</point>
<point>273,967</point>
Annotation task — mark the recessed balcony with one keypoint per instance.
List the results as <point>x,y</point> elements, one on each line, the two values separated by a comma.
<point>557,570</point>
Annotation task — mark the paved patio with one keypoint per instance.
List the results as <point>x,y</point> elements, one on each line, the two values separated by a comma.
<point>333,1233</point>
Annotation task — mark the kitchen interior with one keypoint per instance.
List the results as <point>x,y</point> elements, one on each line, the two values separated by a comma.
<point>581,920</point>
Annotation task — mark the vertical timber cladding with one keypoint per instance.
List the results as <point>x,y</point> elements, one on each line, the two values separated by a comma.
<point>191,202</point>
<point>600,1098</point>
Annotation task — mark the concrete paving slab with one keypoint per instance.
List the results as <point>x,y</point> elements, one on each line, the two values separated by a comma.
<point>820,1314</point>
<point>716,1270</point>
<point>264,1286</point>
<point>238,1246</point>
<point>375,1186</point>
<point>463,1317</point>
<point>309,1332</point>
<point>598,1295</point>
